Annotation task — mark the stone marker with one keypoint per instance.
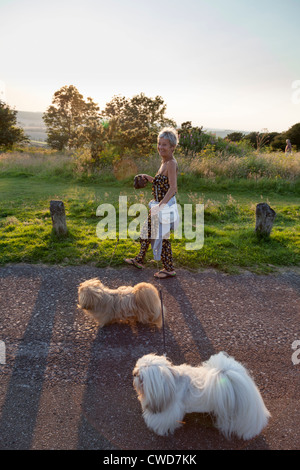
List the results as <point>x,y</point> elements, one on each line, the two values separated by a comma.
<point>265,216</point>
<point>58,215</point>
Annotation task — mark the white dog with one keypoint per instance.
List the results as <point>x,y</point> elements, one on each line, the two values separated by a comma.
<point>220,386</point>
<point>139,303</point>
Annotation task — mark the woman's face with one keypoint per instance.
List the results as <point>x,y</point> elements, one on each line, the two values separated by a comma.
<point>164,147</point>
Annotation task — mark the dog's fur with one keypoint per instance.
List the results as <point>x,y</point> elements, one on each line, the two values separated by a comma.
<point>140,303</point>
<point>220,386</point>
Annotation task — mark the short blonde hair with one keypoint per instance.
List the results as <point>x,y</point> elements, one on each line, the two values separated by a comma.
<point>169,133</point>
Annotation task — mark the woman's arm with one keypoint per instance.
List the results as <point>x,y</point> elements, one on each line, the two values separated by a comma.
<point>148,177</point>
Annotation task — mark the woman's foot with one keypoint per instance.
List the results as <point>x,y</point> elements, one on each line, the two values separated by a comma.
<point>163,274</point>
<point>133,262</point>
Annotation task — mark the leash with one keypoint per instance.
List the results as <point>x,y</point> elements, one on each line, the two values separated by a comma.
<point>161,299</point>
<point>162,315</point>
<point>161,302</point>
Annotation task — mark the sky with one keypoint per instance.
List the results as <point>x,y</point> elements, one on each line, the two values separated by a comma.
<point>230,64</point>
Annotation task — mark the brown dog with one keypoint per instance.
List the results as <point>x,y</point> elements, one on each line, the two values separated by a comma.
<point>140,303</point>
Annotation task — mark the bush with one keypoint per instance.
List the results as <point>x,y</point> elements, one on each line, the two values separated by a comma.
<point>10,133</point>
<point>193,140</point>
<point>250,166</point>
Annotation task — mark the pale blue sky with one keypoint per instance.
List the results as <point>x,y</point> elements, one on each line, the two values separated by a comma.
<point>227,64</point>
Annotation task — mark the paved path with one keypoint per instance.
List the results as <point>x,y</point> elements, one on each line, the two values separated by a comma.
<point>68,385</point>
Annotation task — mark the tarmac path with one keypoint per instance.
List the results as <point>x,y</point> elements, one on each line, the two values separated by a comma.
<point>66,384</point>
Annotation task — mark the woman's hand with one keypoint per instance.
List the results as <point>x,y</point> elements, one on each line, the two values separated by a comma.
<point>156,209</point>
<point>147,177</point>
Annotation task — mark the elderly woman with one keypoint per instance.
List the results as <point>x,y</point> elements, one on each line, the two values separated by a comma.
<point>164,188</point>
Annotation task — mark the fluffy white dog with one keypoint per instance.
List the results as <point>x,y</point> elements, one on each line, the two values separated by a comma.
<point>139,303</point>
<point>220,386</point>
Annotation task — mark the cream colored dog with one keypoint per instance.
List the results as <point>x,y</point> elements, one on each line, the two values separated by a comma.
<point>140,303</point>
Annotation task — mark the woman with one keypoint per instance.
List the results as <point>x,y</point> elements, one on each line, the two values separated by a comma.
<point>288,147</point>
<point>164,187</point>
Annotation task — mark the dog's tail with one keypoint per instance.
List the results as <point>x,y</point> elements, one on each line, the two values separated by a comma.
<point>234,398</point>
<point>148,303</point>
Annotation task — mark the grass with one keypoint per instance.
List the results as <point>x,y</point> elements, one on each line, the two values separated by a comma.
<point>27,186</point>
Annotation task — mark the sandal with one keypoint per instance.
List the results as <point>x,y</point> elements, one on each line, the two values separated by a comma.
<point>133,262</point>
<point>165,274</point>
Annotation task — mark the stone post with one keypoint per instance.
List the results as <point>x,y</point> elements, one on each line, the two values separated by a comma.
<point>264,219</point>
<point>58,215</point>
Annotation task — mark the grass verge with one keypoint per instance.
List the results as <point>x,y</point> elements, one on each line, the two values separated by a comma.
<point>229,240</point>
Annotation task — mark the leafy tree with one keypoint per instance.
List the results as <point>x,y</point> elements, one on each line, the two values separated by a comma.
<point>69,119</point>
<point>260,139</point>
<point>186,126</point>
<point>272,136</point>
<point>279,142</point>
<point>134,123</point>
<point>192,139</point>
<point>235,136</point>
<point>95,137</point>
<point>252,138</point>
<point>10,133</point>
<point>257,139</point>
<point>293,133</point>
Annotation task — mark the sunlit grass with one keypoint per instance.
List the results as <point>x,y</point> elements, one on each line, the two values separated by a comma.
<point>230,243</point>
<point>274,168</point>
<point>229,187</point>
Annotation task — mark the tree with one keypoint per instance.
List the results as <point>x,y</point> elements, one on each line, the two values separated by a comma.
<point>235,136</point>
<point>192,139</point>
<point>10,133</point>
<point>134,123</point>
<point>257,139</point>
<point>279,142</point>
<point>251,138</point>
<point>260,139</point>
<point>293,133</point>
<point>69,118</point>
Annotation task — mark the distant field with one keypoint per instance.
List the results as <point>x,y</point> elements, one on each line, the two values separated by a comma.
<point>33,125</point>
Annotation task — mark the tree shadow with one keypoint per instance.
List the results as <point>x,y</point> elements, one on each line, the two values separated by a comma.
<point>20,408</point>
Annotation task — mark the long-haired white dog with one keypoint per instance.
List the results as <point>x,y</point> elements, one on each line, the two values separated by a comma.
<point>140,303</point>
<point>221,386</point>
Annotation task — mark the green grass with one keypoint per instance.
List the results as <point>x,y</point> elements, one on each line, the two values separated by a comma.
<point>230,242</point>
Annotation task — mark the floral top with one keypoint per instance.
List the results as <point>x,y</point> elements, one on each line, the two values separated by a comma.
<point>160,186</point>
